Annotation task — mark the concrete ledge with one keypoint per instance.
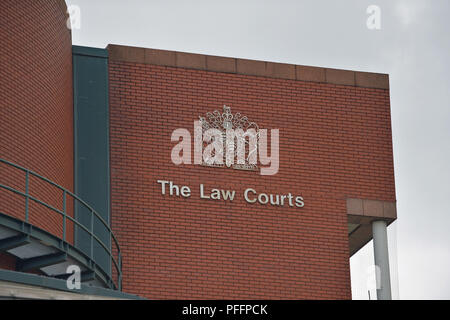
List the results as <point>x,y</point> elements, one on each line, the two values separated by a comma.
<point>248,67</point>
<point>160,57</point>
<point>280,70</point>
<point>371,80</point>
<point>129,54</point>
<point>190,60</point>
<point>337,76</point>
<point>221,64</point>
<point>372,208</point>
<point>251,67</point>
<point>313,74</point>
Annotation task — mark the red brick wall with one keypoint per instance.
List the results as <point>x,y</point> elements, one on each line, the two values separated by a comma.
<point>335,143</point>
<point>7,261</point>
<point>36,105</point>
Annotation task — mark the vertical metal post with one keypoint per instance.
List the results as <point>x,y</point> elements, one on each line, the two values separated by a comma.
<point>64,215</point>
<point>120,271</point>
<point>111,253</point>
<point>27,195</point>
<point>92,234</point>
<point>381,254</point>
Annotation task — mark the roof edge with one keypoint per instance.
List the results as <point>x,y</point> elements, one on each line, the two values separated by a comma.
<point>89,51</point>
<point>247,67</point>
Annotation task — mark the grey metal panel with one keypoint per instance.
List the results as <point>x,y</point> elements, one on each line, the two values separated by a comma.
<point>31,250</point>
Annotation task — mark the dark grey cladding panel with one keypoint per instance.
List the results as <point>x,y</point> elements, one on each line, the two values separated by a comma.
<point>91,134</point>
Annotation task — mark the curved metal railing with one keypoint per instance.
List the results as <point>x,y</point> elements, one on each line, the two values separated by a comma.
<point>116,262</point>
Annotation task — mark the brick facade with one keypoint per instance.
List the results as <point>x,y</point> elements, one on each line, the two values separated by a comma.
<point>36,106</point>
<point>335,144</point>
<point>335,152</point>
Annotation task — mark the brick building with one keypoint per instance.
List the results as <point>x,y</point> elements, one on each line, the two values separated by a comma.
<point>97,124</point>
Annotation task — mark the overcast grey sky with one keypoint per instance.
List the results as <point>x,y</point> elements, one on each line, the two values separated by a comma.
<point>413,46</point>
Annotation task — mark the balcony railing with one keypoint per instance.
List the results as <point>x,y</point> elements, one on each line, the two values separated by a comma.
<point>116,258</point>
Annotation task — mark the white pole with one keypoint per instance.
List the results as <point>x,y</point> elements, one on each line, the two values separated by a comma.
<point>381,254</point>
